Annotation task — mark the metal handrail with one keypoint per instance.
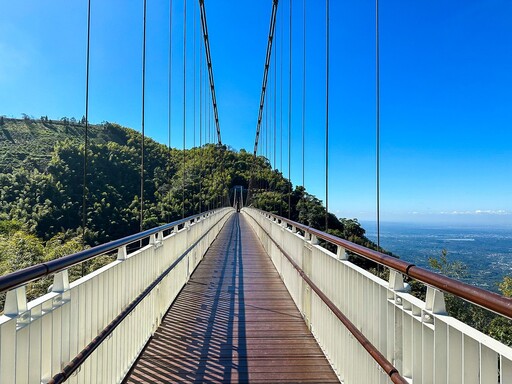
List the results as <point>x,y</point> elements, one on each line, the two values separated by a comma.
<point>485,299</point>
<point>26,275</point>
<point>82,356</point>
<point>373,351</point>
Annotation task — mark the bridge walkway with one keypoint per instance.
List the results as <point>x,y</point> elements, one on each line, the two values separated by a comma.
<point>233,322</point>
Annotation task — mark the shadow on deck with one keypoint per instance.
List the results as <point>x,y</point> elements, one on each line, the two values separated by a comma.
<point>233,322</point>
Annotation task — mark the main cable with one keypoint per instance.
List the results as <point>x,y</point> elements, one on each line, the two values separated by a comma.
<point>268,56</point>
<point>210,69</point>
<point>265,72</point>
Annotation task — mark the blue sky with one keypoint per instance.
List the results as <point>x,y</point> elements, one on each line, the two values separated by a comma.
<point>446,105</point>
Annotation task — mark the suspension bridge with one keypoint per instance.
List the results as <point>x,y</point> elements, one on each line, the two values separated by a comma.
<point>237,294</point>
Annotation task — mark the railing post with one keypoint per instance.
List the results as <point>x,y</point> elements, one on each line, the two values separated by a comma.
<point>15,301</point>
<point>396,280</point>
<point>306,266</point>
<point>61,282</point>
<point>395,333</point>
<point>341,253</point>
<point>434,301</point>
<point>121,253</point>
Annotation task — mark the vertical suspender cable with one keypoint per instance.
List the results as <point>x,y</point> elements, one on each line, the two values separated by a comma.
<point>169,98</point>
<point>194,45</point>
<point>200,97</point>
<point>290,123</point>
<point>326,115</point>
<point>184,101</point>
<point>86,138</point>
<point>275,106</point>
<point>266,126</point>
<point>281,108</point>
<point>200,128</point>
<point>203,77</point>
<point>169,86</point>
<point>281,95</point>
<point>209,123</point>
<point>304,98</point>
<point>194,70</point>
<point>143,105</point>
<point>377,116</point>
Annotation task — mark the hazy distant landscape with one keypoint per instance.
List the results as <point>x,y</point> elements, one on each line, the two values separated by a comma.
<point>486,250</point>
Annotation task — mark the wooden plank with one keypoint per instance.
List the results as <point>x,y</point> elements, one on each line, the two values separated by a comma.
<point>233,322</point>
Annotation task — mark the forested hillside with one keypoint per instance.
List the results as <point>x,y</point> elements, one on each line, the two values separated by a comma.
<point>42,194</point>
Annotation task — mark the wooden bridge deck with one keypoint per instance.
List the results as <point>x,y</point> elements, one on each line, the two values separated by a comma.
<point>233,322</point>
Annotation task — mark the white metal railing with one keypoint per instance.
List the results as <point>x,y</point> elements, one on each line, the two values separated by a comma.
<point>39,339</point>
<point>423,343</point>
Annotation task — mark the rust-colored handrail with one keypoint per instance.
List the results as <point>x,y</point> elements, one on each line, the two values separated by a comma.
<point>82,356</point>
<point>385,364</point>
<point>26,275</point>
<point>485,299</point>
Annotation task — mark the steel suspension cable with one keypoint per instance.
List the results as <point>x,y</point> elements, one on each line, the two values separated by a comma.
<point>290,122</point>
<point>377,116</point>
<point>281,92</point>
<point>194,72</point>
<point>275,106</point>
<point>203,72</point>
<point>184,103</point>
<point>194,45</point>
<point>209,122</point>
<point>200,128</point>
<point>169,106</point>
<point>304,95</point>
<point>326,115</point>
<point>200,96</point>
<point>210,69</point>
<point>268,56</point>
<point>265,72</point>
<point>281,102</point>
<point>86,138</point>
<point>143,119</point>
<point>266,127</point>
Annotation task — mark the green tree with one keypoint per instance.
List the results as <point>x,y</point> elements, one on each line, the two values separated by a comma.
<point>485,321</point>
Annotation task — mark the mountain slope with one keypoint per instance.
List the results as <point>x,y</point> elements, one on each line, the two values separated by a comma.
<point>29,143</point>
